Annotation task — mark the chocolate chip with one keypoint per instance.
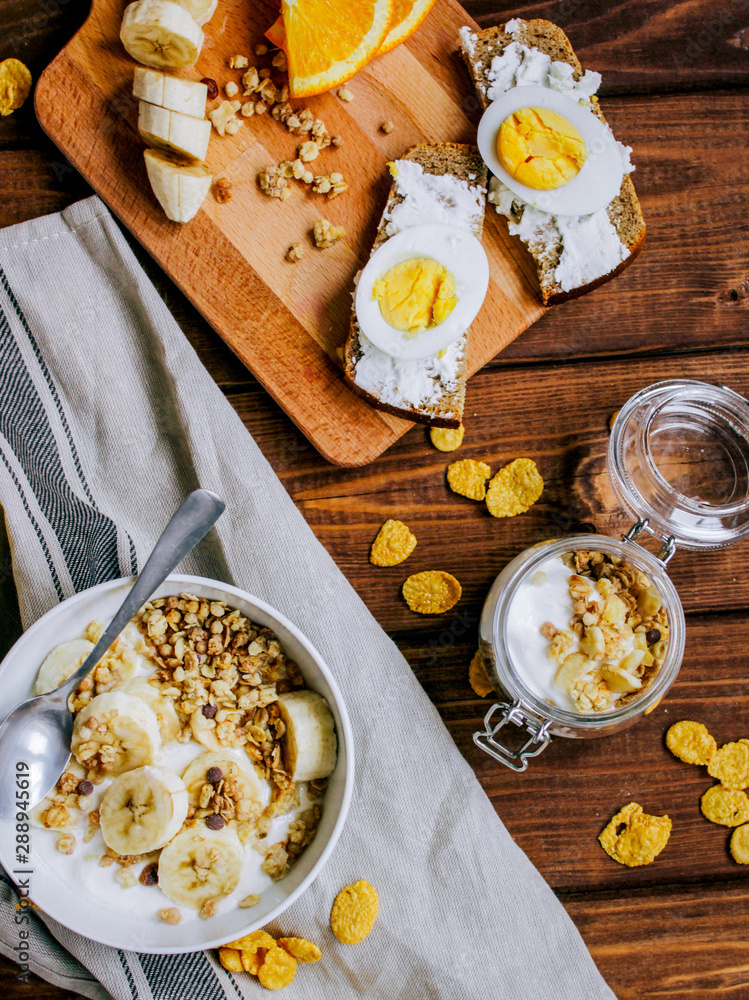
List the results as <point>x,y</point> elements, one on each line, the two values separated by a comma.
<point>214,775</point>
<point>653,635</point>
<point>149,875</point>
<point>84,787</point>
<point>209,711</point>
<point>212,87</point>
<point>214,822</point>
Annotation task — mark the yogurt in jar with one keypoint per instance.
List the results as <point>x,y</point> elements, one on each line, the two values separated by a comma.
<point>586,631</point>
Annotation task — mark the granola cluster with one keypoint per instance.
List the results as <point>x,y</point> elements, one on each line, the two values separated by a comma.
<point>71,796</point>
<point>223,674</point>
<point>618,633</point>
<point>279,857</point>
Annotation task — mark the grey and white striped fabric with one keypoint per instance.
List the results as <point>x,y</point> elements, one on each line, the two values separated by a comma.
<point>107,419</point>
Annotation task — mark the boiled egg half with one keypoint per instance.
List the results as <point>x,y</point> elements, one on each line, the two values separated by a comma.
<point>421,290</point>
<point>551,151</point>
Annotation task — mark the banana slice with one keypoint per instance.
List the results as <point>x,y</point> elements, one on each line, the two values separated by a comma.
<point>142,810</point>
<point>200,864</point>
<point>161,34</point>
<point>309,742</point>
<point>171,130</point>
<point>204,731</point>
<point>201,11</point>
<point>61,663</point>
<point>166,713</point>
<point>115,732</point>
<point>195,777</point>
<point>185,96</point>
<point>180,187</point>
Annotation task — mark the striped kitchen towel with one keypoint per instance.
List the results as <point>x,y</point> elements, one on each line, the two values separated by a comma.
<point>107,420</point>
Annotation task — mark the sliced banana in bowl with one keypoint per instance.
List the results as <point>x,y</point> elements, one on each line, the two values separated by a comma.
<point>61,663</point>
<point>142,810</point>
<point>166,713</point>
<point>310,745</point>
<point>115,732</point>
<point>199,865</point>
<point>209,770</point>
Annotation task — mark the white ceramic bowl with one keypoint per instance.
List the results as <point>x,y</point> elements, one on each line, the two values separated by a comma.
<point>55,894</point>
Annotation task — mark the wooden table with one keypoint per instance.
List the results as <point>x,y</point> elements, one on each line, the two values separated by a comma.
<point>675,78</point>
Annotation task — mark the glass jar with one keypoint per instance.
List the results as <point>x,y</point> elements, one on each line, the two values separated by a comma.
<point>678,460</point>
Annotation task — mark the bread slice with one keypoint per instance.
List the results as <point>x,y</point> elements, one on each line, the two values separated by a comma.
<point>541,234</point>
<point>430,390</point>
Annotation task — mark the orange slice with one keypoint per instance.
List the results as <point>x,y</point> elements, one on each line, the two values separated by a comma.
<point>328,43</point>
<point>407,16</point>
<point>276,34</point>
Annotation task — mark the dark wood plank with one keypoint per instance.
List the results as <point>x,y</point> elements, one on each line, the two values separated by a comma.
<point>654,46</point>
<point>668,946</point>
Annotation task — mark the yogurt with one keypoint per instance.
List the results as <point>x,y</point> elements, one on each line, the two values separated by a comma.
<point>81,868</point>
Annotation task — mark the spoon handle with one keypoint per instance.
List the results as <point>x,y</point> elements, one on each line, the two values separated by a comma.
<point>195,516</point>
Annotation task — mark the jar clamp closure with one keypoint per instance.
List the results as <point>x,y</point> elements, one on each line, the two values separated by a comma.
<point>678,461</point>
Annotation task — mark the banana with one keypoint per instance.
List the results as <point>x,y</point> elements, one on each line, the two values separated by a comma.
<point>180,187</point>
<point>172,92</point>
<point>115,732</point>
<point>309,741</point>
<point>61,663</point>
<point>204,731</point>
<point>195,777</point>
<point>161,34</point>
<point>171,130</point>
<point>142,810</point>
<point>200,864</point>
<point>166,713</point>
<point>201,11</point>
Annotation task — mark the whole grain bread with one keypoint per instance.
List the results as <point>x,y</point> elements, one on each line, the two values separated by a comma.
<point>624,210</point>
<point>464,163</point>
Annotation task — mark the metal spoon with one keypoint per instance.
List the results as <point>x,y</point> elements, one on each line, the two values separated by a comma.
<point>38,732</point>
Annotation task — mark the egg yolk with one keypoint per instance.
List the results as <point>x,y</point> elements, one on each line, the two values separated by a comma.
<point>415,295</point>
<point>540,148</point>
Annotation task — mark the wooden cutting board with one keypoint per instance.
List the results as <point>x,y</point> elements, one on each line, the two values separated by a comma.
<point>286,322</point>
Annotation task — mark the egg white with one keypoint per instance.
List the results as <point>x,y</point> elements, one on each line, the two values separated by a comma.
<point>460,253</point>
<point>600,177</point>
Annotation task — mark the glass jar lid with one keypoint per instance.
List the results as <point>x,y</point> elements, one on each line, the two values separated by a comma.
<point>678,460</point>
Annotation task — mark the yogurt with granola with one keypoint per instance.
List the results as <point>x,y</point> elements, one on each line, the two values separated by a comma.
<point>587,631</point>
<point>199,763</point>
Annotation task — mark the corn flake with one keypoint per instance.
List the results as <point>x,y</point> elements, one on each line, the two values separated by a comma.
<point>691,742</point>
<point>354,912</point>
<point>278,969</point>
<point>730,765</point>
<point>725,806</point>
<point>447,438</point>
<point>393,545</point>
<point>230,959</point>
<point>633,837</point>
<point>301,950</point>
<point>478,677</point>
<point>251,942</point>
<point>252,960</point>
<point>15,85</point>
<point>514,489</point>
<point>432,592</point>
<point>740,844</point>
<point>468,478</point>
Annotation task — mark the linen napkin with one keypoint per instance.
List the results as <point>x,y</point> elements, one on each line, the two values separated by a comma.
<point>107,420</point>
